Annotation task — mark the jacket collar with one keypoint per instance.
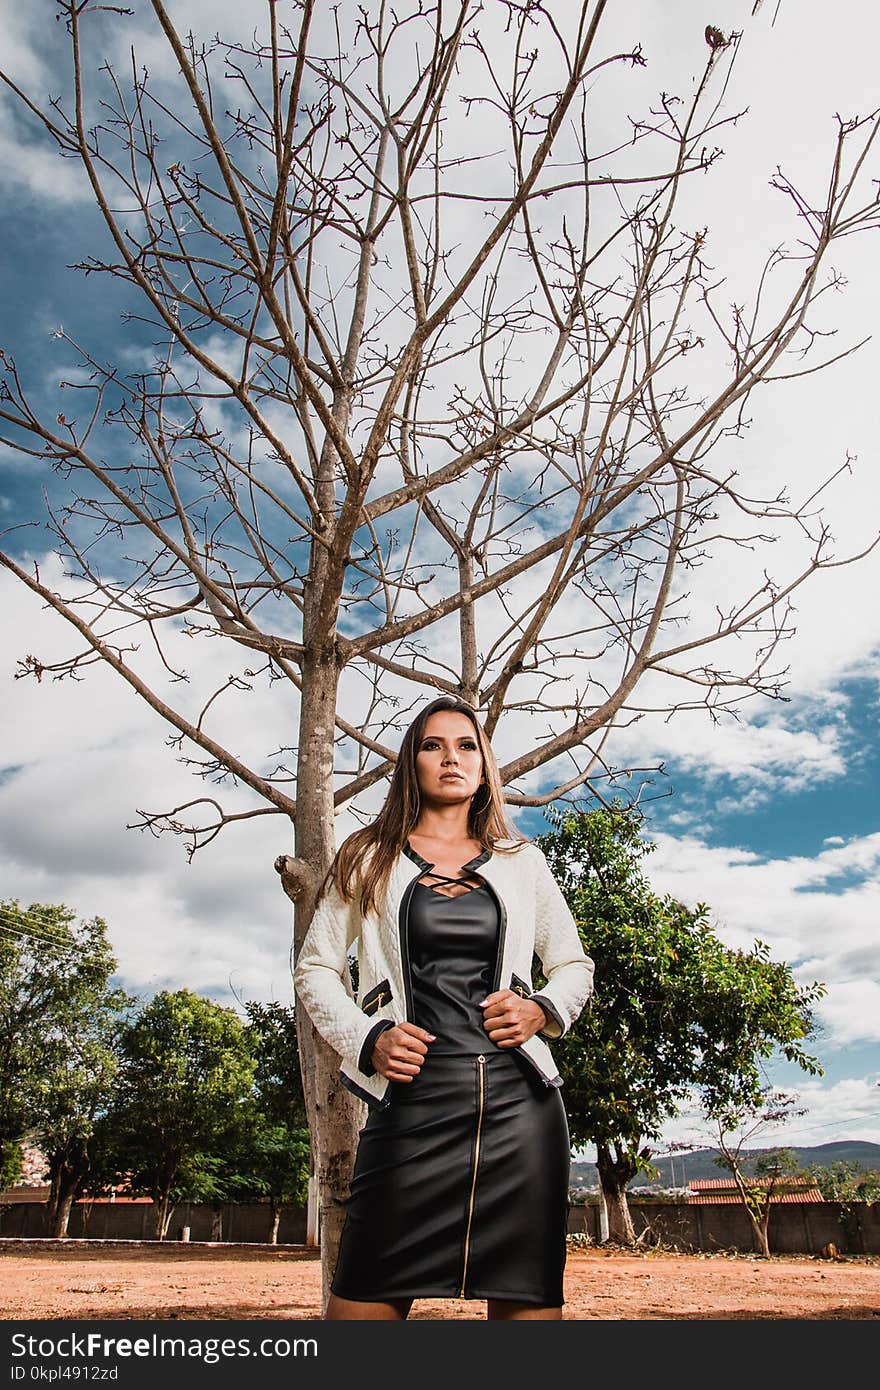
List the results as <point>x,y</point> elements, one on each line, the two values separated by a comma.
<point>425,866</point>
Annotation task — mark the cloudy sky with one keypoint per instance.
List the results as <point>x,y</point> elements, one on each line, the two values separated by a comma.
<point>772,820</point>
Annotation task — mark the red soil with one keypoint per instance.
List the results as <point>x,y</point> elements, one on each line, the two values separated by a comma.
<point>86,1281</point>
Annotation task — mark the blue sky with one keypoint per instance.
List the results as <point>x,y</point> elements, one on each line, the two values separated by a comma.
<point>773,820</point>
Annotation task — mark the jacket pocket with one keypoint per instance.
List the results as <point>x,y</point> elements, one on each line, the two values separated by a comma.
<point>377,997</point>
<point>520,987</point>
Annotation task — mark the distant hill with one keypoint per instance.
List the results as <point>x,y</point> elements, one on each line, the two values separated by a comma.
<point>677,1170</point>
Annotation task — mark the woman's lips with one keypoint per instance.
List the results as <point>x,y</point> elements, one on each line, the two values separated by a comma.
<point>451,777</point>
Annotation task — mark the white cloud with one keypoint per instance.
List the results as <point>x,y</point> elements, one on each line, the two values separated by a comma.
<point>84,758</point>
<point>832,1111</point>
<point>852,1010</point>
<point>27,161</point>
<point>845,1109</point>
<point>27,164</point>
<point>818,914</point>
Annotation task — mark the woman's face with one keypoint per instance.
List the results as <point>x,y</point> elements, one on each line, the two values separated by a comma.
<point>449,764</point>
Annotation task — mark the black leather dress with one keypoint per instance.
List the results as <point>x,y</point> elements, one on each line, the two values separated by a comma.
<point>460,1185</point>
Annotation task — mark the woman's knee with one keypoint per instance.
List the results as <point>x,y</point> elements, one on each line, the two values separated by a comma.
<point>355,1309</point>
<point>506,1310</point>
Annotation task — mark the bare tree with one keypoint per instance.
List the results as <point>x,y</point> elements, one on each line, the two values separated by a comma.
<point>777,1171</point>
<point>415,336</point>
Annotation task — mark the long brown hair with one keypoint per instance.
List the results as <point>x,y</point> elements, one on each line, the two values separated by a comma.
<point>362,867</point>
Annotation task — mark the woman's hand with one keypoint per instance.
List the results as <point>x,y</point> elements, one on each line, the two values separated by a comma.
<point>400,1051</point>
<point>509,1019</point>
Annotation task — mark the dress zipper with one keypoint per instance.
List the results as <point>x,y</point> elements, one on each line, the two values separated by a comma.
<point>481,1072</point>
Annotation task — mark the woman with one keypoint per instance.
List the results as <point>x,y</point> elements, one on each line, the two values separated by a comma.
<point>460,1184</point>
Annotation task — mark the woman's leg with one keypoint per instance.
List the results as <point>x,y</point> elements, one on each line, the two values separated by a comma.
<point>351,1309</point>
<point>504,1309</point>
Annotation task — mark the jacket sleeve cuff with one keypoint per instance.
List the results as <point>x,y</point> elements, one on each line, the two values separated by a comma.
<point>555,1026</point>
<point>364,1063</point>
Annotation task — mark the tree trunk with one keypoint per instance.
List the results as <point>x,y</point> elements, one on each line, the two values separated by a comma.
<point>67,1172</point>
<point>59,1213</point>
<point>761,1227</point>
<point>614,1174</point>
<point>604,1229</point>
<point>760,1220</point>
<point>276,1221</point>
<point>162,1210</point>
<point>334,1115</point>
<point>312,1210</point>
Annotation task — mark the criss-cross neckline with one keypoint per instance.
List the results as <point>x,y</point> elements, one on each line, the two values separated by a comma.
<point>429,871</point>
<point>447,878</point>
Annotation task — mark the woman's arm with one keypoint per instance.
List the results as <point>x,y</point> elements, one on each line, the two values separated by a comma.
<point>319,977</point>
<point>566,966</point>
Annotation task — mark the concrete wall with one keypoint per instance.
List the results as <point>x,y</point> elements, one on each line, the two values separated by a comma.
<point>795,1228</point>
<point>134,1221</point>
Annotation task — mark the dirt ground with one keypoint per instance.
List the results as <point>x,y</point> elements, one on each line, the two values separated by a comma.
<point>89,1281</point>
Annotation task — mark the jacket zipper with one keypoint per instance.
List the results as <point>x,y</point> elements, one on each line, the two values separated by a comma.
<point>481,1073</point>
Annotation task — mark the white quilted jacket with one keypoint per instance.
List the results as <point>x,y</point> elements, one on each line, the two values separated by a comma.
<point>535,918</point>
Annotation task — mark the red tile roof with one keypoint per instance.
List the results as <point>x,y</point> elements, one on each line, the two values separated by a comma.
<point>706,1191</point>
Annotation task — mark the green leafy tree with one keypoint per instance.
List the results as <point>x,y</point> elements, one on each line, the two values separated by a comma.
<point>843,1181</point>
<point>272,1163</point>
<point>58,1013</point>
<point>675,1011</point>
<point>853,1188</point>
<point>10,1166</point>
<point>185,1080</point>
<point>265,1151</point>
<point>277,1152</point>
<point>76,1088</point>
